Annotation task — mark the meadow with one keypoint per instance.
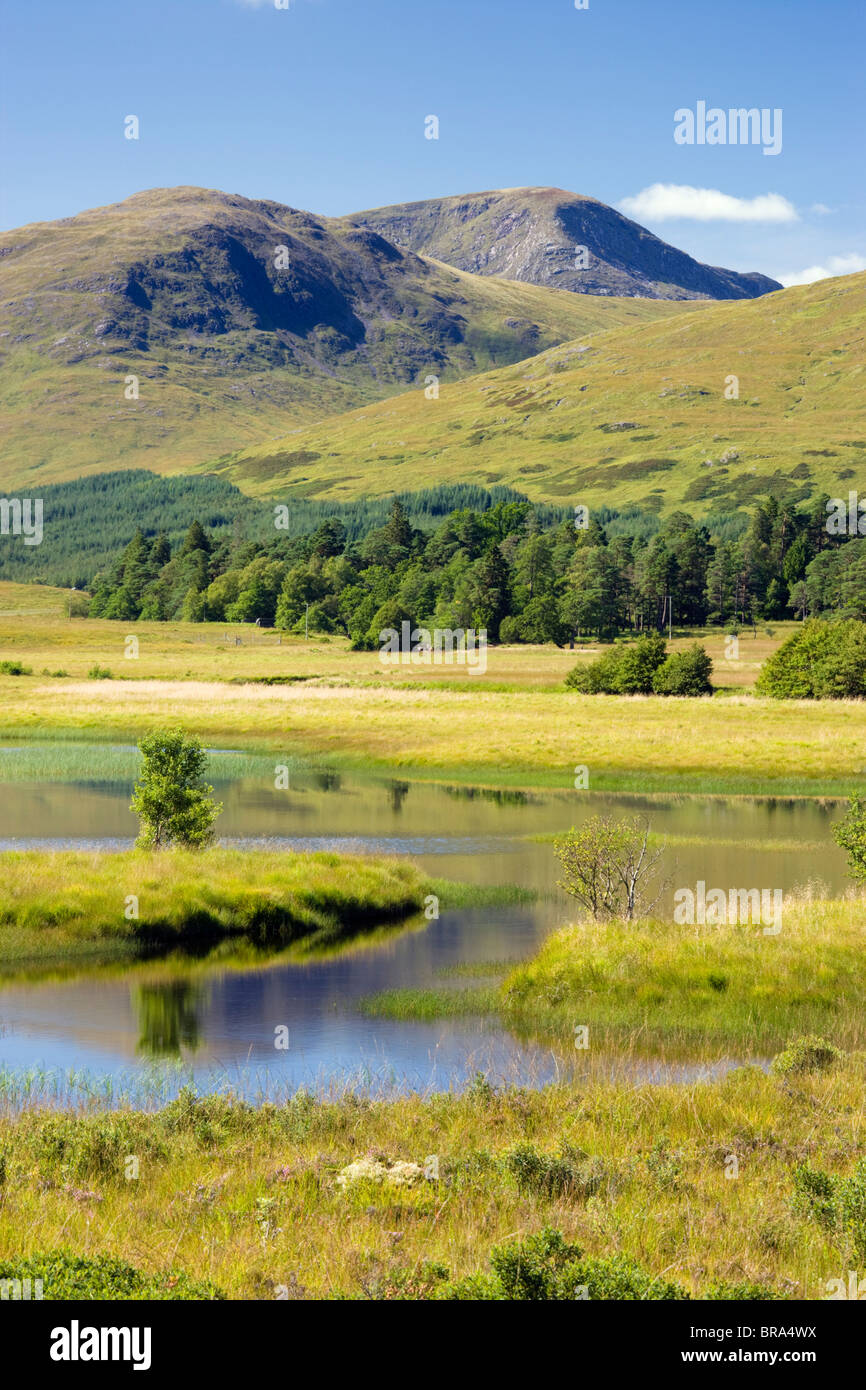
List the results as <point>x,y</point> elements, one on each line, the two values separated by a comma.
<point>512,725</point>
<point>700,1185</point>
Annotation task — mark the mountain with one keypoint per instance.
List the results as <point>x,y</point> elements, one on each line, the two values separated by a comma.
<point>181,288</point>
<point>631,415</point>
<point>530,234</point>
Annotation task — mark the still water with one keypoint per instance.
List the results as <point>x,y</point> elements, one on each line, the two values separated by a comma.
<point>146,1032</point>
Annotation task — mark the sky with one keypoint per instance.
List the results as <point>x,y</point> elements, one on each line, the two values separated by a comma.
<point>324,105</point>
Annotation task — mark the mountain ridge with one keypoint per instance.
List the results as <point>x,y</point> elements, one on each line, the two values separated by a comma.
<point>181,290</point>
<point>531,234</point>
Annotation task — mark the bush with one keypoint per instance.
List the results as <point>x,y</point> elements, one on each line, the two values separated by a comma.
<point>809,1054</point>
<point>66,1275</point>
<point>822,661</point>
<point>545,1267</point>
<point>626,669</point>
<point>685,673</point>
<point>15,668</point>
<point>836,1203</point>
<point>571,1174</point>
<point>99,673</point>
<point>173,803</point>
<point>850,834</point>
<point>608,866</point>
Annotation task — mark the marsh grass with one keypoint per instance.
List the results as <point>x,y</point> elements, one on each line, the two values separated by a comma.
<point>655,987</point>
<point>426,1005</point>
<point>56,903</point>
<point>731,746</point>
<point>651,1163</point>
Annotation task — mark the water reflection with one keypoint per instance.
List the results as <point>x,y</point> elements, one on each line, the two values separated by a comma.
<point>218,1017</point>
<point>168,1017</point>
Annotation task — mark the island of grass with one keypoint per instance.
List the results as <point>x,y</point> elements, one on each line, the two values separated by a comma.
<point>658,988</point>
<point>91,904</point>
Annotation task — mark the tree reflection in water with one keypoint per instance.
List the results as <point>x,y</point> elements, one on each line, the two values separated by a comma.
<point>168,1017</point>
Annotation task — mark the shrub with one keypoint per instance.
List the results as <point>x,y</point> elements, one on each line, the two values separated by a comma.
<point>99,673</point>
<point>15,668</point>
<point>822,661</point>
<point>626,669</point>
<point>66,1275</point>
<point>571,1174</point>
<point>608,867</point>
<point>739,1293</point>
<point>685,673</point>
<point>545,1267</point>
<point>808,1054</point>
<point>850,834</point>
<point>836,1203</point>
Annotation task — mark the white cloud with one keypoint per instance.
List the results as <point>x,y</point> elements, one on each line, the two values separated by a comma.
<point>662,201</point>
<point>836,265</point>
<point>821,209</point>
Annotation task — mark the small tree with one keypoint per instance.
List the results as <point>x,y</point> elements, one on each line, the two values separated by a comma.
<point>172,801</point>
<point>609,867</point>
<point>850,833</point>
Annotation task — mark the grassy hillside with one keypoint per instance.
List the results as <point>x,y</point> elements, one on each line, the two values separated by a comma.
<point>531,234</point>
<point>180,288</point>
<point>632,415</point>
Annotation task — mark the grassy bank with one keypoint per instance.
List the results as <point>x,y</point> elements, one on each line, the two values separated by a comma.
<point>729,745</point>
<point>81,905</point>
<point>654,987</point>
<point>696,1184</point>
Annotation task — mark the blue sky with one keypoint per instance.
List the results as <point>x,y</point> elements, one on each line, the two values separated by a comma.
<point>322,106</point>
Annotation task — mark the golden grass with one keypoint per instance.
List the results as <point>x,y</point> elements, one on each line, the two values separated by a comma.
<point>726,744</point>
<point>249,1198</point>
<point>653,988</point>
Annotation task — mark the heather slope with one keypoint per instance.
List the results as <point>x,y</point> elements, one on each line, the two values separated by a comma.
<point>181,288</point>
<point>637,414</point>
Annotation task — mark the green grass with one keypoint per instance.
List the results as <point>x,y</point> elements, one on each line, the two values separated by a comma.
<point>73,904</point>
<point>246,1199</point>
<point>656,988</point>
<point>63,1274</point>
<point>425,1005</point>
<point>551,426</point>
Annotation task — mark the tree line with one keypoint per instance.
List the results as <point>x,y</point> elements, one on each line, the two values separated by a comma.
<point>519,571</point>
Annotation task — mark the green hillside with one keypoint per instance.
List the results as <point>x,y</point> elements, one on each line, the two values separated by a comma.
<point>632,415</point>
<point>180,288</point>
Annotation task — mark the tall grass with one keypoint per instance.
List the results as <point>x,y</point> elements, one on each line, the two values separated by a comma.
<point>56,903</point>
<point>247,1197</point>
<point>655,987</point>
